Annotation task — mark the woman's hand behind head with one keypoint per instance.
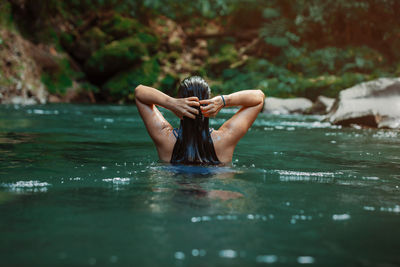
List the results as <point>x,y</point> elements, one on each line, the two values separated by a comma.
<point>211,107</point>
<point>186,107</point>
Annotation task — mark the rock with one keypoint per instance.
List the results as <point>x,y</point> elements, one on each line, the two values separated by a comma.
<point>18,100</point>
<point>54,99</point>
<point>43,58</point>
<point>372,104</point>
<point>20,74</point>
<point>322,105</point>
<point>285,106</point>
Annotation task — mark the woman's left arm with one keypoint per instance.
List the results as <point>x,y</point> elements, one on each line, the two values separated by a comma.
<point>146,100</point>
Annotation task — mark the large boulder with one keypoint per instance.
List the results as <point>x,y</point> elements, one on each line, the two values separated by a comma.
<point>372,104</point>
<point>322,105</point>
<point>276,105</point>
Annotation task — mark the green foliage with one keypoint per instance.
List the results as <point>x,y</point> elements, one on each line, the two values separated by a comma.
<point>295,85</point>
<point>119,26</point>
<point>5,14</point>
<point>169,84</point>
<point>271,13</point>
<point>58,81</point>
<point>182,10</point>
<point>86,86</point>
<point>122,85</point>
<point>95,37</point>
<point>116,56</point>
<point>333,60</point>
<point>281,82</point>
<point>222,59</point>
<point>286,48</point>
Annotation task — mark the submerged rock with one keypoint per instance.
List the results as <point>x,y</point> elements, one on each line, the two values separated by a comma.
<point>285,106</point>
<point>372,104</point>
<point>322,105</point>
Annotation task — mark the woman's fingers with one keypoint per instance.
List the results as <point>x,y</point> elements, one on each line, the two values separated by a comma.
<point>206,108</point>
<point>193,111</point>
<point>193,98</point>
<point>209,115</point>
<point>194,104</point>
<point>205,101</point>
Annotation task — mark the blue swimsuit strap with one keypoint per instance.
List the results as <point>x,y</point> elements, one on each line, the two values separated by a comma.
<point>175,131</point>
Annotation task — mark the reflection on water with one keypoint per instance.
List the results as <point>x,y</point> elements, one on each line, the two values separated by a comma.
<point>82,185</point>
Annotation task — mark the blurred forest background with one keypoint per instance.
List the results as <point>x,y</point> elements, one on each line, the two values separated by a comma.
<point>100,50</point>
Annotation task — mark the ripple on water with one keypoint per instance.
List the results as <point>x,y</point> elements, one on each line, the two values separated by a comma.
<point>395,209</point>
<point>301,176</point>
<point>228,253</point>
<point>341,217</point>
<point>107,120</point>
<point>267,258</point>
<point>291,125</point>
<point>33,186</point>
<point>232,254</point>
<point>385,134</point>
<point>117,180</point>
<point>198,252</point>
<point>229,217</point>
<point>305,260</point>
<point>42,112</point>
<point>179,255</point>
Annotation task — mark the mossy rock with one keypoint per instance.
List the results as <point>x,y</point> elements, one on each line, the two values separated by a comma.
<point>82,47</point>
<point>121,27</point>
<point>115,56</point>
<point>94,39</point>
<point>122,85</point>
<point>152,42</point>
<point>58,82</point>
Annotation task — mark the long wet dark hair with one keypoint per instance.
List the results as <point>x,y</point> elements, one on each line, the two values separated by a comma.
<point>194,144</point>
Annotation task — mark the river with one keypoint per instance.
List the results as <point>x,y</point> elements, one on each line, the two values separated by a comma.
<point>82,185</point>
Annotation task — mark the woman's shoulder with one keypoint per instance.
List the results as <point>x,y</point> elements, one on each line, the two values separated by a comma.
<point>223,149</point>
<point>166,147</point>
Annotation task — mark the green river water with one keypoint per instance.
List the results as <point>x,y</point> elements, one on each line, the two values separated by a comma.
<point>82,185</point>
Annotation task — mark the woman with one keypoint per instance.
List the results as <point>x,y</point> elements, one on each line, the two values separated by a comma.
<point>194,142</point>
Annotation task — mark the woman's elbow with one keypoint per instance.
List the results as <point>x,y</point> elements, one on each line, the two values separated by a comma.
<point>138,88</point>
<point>138,91</point>
<point>261,95</point>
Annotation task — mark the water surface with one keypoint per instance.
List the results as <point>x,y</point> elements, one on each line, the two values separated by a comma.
<point>81,185</point>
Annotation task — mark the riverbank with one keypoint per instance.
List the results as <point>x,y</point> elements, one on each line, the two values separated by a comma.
<point>67,54</point>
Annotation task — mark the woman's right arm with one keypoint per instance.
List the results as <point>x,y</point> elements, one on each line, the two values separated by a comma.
<point>236,127</point>
<point>245,98</point>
